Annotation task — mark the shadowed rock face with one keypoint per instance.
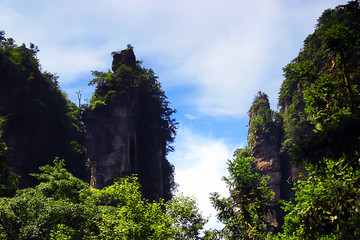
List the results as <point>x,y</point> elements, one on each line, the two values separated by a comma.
<point>109,139</point>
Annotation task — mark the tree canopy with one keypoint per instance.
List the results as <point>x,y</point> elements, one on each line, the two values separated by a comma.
<point>65,207</point>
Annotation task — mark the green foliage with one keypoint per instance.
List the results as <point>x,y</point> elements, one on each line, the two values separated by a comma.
<point>60,184</point>
<point>263,121</point>
<point>8,179</point>
<point>97,104</point>
<point>297,129</point>
<point>261,113</point>
<point>326,205</point>
<point>186,219</point>
<point>126,215</point>
<point>64,207</point>
<point>245,212</point>
<point>53,209</point>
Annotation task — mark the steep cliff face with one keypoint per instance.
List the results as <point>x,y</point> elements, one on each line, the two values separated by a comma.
<point>129,128</point>
<point>110,137</point>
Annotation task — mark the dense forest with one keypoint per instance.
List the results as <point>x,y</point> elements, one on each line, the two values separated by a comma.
<point>299,177</point>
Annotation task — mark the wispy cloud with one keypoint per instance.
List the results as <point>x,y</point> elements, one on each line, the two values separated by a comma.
<point>191,117</point>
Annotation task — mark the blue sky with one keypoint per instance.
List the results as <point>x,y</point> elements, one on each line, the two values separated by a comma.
<point>211,56</point>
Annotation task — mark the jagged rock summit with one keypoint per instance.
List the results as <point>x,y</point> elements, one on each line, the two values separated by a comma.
<point>126,57</point>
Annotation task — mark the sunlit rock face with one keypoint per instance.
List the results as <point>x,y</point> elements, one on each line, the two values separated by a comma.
<point>113,144</point>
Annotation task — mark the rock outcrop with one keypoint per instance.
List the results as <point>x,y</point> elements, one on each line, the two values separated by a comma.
<point>265,139</point>
<point>125,136</point>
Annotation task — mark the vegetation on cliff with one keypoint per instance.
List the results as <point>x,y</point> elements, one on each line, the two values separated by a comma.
<point>262,119</point>
<point>327,76</point>
<point>8,179</point>
<point>320,95</point>
<point>41,122</point>
<point>128,79</point>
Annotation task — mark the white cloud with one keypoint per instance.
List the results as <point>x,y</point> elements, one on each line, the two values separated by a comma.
<point>191,117</point>
<point>75,62</point>
<point>200,163</point>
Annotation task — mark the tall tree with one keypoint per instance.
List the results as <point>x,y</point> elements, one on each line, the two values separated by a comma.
<point>246,212</point>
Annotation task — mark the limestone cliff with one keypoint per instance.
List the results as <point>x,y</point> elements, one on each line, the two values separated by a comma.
<point>129,128</point>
